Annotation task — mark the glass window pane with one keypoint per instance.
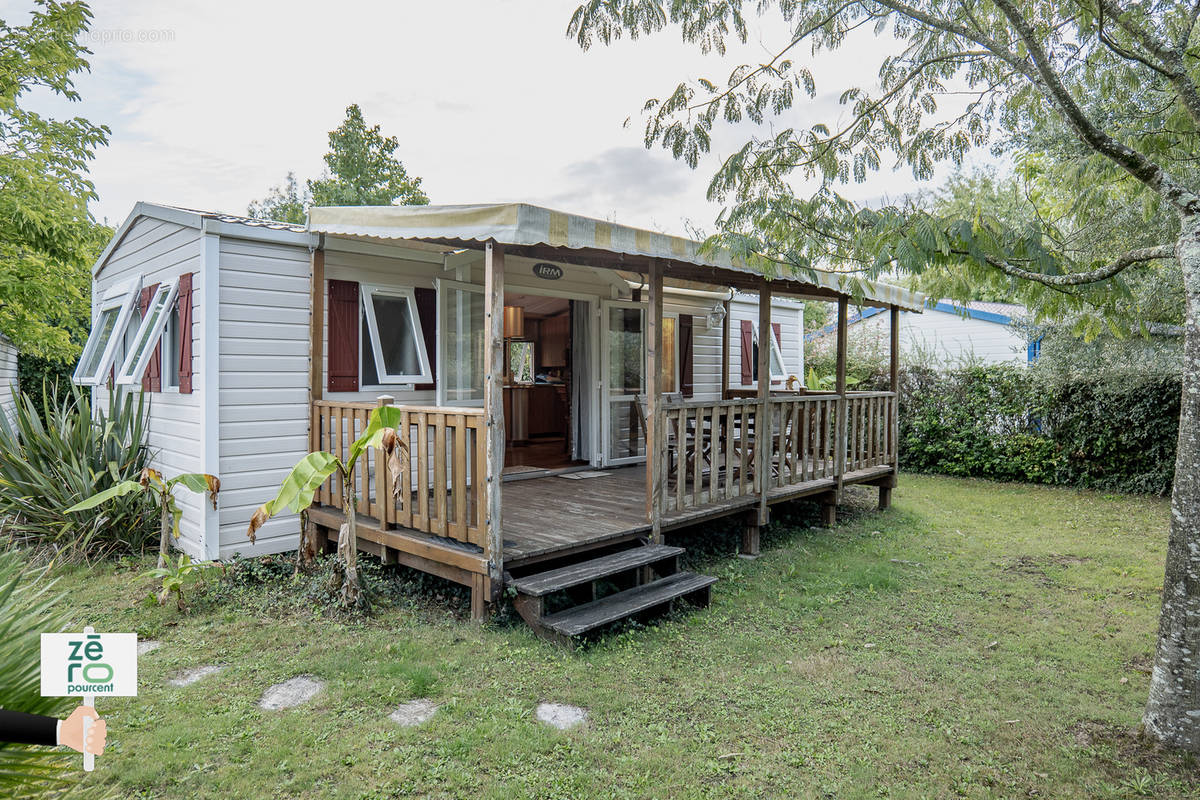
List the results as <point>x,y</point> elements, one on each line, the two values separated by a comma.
<point>394,319</point>
<point>100,334</point>
<point>777,368</point>
<point>464,345</point>
<point>170,365</point>
<point>520,361</point>
<point>625,429</point>
<point>153,314</point>
<point>669,351</point>
<point>626,350</point>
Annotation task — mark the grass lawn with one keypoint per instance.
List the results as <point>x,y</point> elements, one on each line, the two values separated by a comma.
<point>977,640</point>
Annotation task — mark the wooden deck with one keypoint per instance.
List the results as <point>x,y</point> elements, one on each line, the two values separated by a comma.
<point>550,517</point>
<point>555,516</point>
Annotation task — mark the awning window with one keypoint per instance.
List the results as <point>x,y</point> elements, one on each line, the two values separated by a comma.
<point>149,334</point>
<point>393,328</point>
<point>108,332</point>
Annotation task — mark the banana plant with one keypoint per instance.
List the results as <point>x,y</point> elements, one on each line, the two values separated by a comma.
<point>169,512</point>
<point>298,489</point>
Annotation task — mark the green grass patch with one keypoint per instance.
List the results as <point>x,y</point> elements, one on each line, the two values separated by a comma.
<point>977,640</point>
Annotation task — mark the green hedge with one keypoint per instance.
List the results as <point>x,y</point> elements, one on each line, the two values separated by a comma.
<point>1111,432</point>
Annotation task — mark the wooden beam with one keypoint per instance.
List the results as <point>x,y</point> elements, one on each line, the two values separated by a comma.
<point>654,420</point>
<point>839,461</point>
<point>894,376</point>
<point>725,351</point>
<point>763,434</point>
<point>683,270</point>
<point>493,404</point>
<point>894,382</point>
<point>316,348</point>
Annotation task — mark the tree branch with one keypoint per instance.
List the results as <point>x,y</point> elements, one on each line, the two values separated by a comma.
<point>1135,163</point>
<point>1139,256</point>
<point>1171,58</point>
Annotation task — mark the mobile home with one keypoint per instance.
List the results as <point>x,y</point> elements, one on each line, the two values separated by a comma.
<point>571,389</point>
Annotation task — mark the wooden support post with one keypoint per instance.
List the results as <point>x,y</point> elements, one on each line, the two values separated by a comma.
<point>725,324</point>
<point>654,416</point>
<point>493,410</point>
<point>316,344</point>
<point>893,431</point>
<point>829,501</point>
<point>764,436</point>
<point>750,535</point>
<point>894,386</point>
<point>316,328</point>
<point>479,597</point>
<point>840,438</point>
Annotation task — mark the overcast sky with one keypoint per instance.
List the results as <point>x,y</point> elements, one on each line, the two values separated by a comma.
<point>211,103</point>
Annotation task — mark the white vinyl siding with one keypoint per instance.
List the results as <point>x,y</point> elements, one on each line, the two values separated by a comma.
<point>8,376</point>
<point>161,251</point>
<point>264,410</point>
<point>789,315</point>
<point>947,340</point>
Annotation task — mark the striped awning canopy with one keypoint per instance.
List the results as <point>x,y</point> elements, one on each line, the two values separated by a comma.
<point>524,225</point>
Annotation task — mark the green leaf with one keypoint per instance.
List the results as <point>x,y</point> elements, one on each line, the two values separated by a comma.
<point>297,489</point>
<point>120,490</point>
<point>381,419</point>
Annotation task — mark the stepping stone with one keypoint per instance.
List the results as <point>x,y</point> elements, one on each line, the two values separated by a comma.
<point>561,716</point>
<point>291,693</point>
<point>190,676</point>
<point>148,646</point>
<point>414,712</point>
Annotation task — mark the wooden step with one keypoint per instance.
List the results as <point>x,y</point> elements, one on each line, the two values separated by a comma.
<point>555,580</point>
<point>581,619</point>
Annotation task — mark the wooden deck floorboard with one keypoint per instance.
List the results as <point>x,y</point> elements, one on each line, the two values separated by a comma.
<point>543,516</point>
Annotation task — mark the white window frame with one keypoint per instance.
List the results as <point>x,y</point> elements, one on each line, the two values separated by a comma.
<point>123,297</point>
<point>778,352</point>
<point>366,294</point>
<point>442,286</point>
<point>135,364</point>
<point>170,355</point>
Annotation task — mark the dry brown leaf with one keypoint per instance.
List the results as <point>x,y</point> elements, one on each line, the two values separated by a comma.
<point>258,520</point>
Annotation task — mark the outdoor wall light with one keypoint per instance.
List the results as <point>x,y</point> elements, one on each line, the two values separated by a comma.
<point>716,315</point>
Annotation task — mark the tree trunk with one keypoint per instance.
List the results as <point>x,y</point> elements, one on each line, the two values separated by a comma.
<point>311,543</point>
<point>1173,710</point>
<point>164,530</point>
<point>348,549</point>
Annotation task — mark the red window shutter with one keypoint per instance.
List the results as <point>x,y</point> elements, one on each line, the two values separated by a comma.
<point>154,368</point>
<point>427,314</point>
<point>778,329</point>
<point>747,352</point>
<point>184,301</point>
<point>144,306</point>
<point>343,336</point>
<point>686,382</point>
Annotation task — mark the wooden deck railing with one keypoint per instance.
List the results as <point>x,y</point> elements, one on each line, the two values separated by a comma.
<point>871,423</point>
<point>441,492</point>
<point>708,448</point>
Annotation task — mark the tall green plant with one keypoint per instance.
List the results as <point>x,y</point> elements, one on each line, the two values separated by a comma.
<point>28,609</point>
<point>151,483</point>
<point>301,485</point>
<point>76,451</point>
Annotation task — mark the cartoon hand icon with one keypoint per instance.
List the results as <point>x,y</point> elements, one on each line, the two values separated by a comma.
<point>72,731</point>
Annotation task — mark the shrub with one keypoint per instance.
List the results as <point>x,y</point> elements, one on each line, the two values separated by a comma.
<point>77,451</point>
<point>1114,432</point>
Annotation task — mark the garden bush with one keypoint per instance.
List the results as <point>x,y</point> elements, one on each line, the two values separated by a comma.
<point>1108,431</point>
<point>47,464</point>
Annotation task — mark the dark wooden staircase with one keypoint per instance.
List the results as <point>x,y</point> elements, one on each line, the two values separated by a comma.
<point>571,600</point>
